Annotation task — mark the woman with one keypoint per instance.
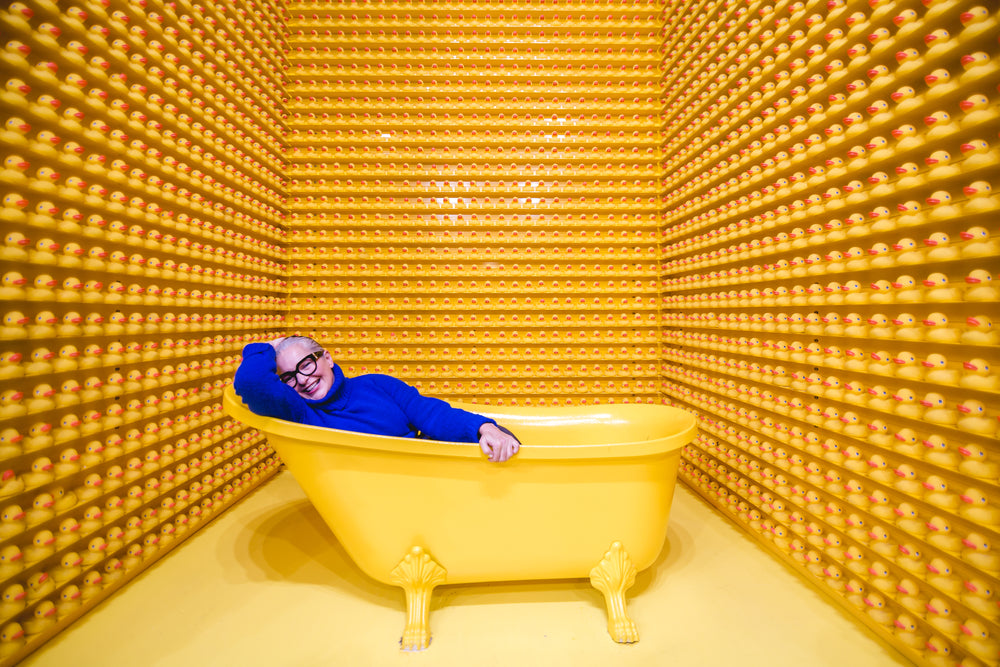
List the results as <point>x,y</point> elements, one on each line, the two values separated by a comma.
<point>295,379</point>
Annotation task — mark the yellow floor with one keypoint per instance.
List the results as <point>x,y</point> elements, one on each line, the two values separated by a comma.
<point>268,584</point>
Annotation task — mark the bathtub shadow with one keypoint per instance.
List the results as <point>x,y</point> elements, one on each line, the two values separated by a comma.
<point>676,553</point>
<point>292,544</point>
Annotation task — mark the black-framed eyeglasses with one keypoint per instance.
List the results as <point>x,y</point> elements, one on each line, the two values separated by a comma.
<point>305,367</point>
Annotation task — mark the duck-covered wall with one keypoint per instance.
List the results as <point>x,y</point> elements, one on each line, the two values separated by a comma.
<point>776,214</point>
<point>474,195</point>
<point>143,246</point>
<point>829,262</point>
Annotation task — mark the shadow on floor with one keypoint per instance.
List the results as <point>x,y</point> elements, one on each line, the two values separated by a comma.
<point>291,543</point>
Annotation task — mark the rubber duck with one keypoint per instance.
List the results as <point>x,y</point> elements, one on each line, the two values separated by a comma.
<point>40,399</point>
<point>39,474</point>
<point>97,549</point>
<point>70,601</point>
<point>880,328</point>
<point>941,617</point>
<point>69,568</point>
<point>937,289</point>
<point>41,510</point>
<point>909,368</point>
<point>974,419</point>
<point>907,483</point>
<point>42,618</point>
<point>942,208</point>
<point>977,67</point>
<point>907,290</point>
<point>907,252</point>
<point>976,243</point>
<point>12,601</point>
<point>938,494</point>
<point>980,199</point>
<point>979,597</point>
<point>68,533</point>
<point>976,374</point>
<point>907,404</point>
<point>976,21</point>
<point>42,327</point>
<point>976,507</point>
<point>12,522</point>
<point>90,489</point>
<point>113,572</point>
<point>977,111</point>
<point>940,372</point>
<point>91,586</point>
<point>979,331</point>
<point>11,561</point>
<point>909,633</point>
<point>938,331</point>
<point>906,137</point>
<point>42,546</point>
<point>908,329</point>
<point>975,639</point>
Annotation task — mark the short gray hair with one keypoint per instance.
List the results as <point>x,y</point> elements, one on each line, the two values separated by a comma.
<point>306,342</point>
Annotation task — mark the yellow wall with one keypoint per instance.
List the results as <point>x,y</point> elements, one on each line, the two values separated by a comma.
<point>533,204</point>
<point>174,160</point>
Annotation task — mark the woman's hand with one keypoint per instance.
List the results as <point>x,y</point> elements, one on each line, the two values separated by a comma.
<point>496,444</point>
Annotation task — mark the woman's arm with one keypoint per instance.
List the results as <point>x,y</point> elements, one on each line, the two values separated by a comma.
<point>257,383</point>
<point>433,417</point>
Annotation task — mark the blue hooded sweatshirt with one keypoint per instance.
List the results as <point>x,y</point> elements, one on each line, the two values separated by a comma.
<point>376,404</point>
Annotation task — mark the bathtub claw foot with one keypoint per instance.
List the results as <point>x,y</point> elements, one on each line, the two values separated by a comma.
<point>613,576</point>
<point>417,574</point>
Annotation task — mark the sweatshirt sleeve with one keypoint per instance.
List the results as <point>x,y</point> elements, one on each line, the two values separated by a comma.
<point>433,417</point>
<point>257,383</point>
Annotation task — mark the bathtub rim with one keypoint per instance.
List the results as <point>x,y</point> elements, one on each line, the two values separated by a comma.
<point>234,407</point>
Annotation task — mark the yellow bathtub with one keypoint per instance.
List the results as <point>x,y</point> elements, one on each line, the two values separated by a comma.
<point>588,495</point>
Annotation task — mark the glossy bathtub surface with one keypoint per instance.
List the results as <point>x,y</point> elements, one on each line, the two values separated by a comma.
<point>586,476</point>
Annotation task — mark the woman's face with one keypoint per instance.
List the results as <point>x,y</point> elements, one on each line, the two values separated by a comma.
<point>314,386</point>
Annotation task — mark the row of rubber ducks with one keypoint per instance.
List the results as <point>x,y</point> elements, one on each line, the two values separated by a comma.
<point>938,523</point>
<point>910,594</point>
<point>933,327</point>
<point>945,513</point>
<point>96,94</point>
<point>43,437</point>
<point>310,204</point>
<point>977,154</point>
<point>743,117</point>
<point>864,455</point>
<point>973,243</point>
<point>44,398</point>
<point>969,415</point>
<point>875,463</point>
<point>46,215</point>
<point>975,373</point>
<point>45,507</point>
<point>43,361</point>
<point>47,146</point>
<point>29,607</point>
<point>15,325</point>
<point>17,247</point>
<point>68,505</point>
<point>976,286</point>
<point>14,286</point>
<point>404,271</point>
